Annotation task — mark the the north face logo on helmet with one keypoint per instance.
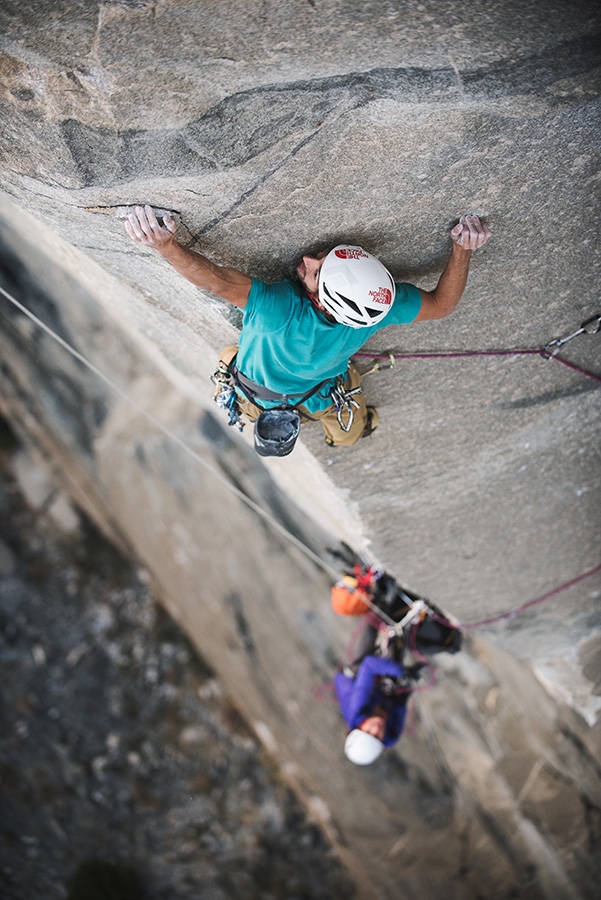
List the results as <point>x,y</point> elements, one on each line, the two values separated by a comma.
<point>350,253</point>
<point>382,295</point>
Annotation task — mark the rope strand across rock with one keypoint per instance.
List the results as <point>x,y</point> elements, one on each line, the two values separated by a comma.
<point>590,326</point>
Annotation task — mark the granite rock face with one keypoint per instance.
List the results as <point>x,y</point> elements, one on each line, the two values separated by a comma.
<point>274,127</point>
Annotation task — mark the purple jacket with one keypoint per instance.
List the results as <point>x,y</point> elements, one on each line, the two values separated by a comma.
<point>359,696</point>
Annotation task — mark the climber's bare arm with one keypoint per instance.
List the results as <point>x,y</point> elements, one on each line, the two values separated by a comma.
<point>468,235</point>
<point>143,227</point>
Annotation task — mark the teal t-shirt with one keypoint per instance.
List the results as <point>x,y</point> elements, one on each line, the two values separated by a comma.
<point>287,346</point>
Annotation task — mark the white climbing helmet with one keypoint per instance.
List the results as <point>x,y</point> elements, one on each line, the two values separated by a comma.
<point>355,287</point>
<point>362,748</point>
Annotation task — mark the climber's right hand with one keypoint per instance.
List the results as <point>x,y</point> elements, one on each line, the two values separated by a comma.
<point>143,227</point>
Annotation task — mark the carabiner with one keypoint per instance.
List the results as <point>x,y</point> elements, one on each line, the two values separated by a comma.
<point>343,400</point>
<point>591,326</point>
<point>379,364</point>
<point>351,417</point>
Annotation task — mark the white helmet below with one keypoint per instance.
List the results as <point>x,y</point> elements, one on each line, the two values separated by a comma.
<point>355,287</point>
<point>362,748</point>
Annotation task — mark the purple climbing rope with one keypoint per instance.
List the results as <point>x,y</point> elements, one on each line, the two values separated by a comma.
<point>463,354</point>
<point>509,614</point>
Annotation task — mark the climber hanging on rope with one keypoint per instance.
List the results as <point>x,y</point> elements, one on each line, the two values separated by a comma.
<point>374,703</point>
<point>292,361</point>
<point>373,691</point>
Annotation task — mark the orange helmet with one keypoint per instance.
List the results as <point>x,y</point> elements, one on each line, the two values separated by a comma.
<point>348,599</point>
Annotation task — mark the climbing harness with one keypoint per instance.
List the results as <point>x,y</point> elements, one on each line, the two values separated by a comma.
<point>276,429</point>
<point>254,391</point>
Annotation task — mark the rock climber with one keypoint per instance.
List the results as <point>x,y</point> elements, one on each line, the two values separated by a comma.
<point>373,703</point>
<point>297,337</point>
<point>373,690</point>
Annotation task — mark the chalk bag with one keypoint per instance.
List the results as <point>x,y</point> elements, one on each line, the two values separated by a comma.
<point>276,431</point>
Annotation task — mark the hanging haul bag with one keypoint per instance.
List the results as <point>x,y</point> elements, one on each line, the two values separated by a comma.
<point>363,589</point>
<point>435,634</point>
